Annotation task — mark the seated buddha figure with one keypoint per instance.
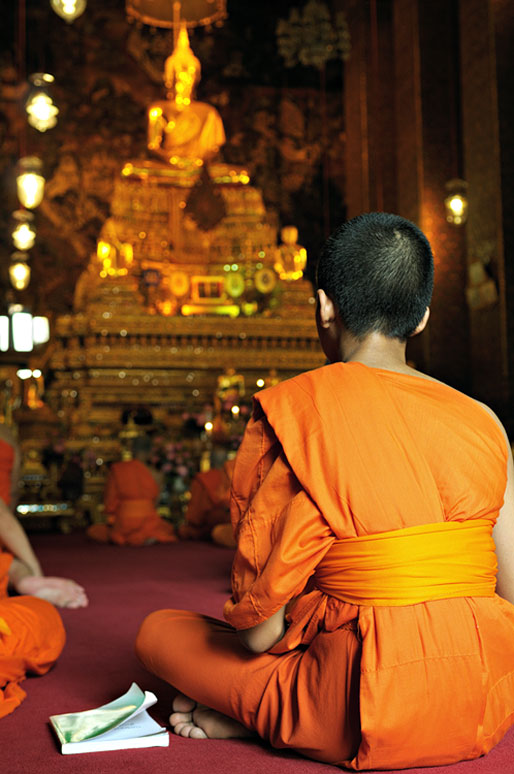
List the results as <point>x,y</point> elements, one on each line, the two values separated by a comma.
<point>181,127</point>
<point>290,257</point>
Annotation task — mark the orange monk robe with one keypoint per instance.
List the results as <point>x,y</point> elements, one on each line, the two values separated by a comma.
<point>131,492</point>
<point>31,631</point>
<point>209,505</point>
<point>343,452</point>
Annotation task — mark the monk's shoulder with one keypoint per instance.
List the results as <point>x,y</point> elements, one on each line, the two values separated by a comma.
<point>308,381</point>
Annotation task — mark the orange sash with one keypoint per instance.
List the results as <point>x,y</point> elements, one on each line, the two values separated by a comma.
<point>412,565</point>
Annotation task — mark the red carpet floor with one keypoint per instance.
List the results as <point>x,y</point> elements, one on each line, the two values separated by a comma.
<point>98,664</point>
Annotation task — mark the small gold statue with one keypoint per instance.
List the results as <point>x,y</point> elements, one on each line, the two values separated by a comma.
<point>290,257</point>
<point>181,127</point>
<point>231,386</point>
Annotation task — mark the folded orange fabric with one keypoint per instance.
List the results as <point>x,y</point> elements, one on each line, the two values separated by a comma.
<point>411,565</point>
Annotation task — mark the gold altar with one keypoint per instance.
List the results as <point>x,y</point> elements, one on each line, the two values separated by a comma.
<point>188,282</point>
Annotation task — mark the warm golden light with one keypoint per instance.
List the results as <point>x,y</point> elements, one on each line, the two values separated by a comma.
<point>41,111</point>
<point>103,250</point>
<point>30,182</point>
<point>230,310</point>
<point>127,253</point>
<point>456,203</point>
<point>69,10</point>
<point>19,272</point>
<point>235,410</point>
<point>31,188</point>
<point>260,382</point>
<point>208,427</point>
<point>24,233</point>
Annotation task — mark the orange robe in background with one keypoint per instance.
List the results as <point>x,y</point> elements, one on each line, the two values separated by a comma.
<point>130,495</point>
<point>331,461</point>
<point>209,505</point>
<point>31,631</point>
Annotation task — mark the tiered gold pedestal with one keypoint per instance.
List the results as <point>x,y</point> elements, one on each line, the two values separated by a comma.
<point>118,356</point>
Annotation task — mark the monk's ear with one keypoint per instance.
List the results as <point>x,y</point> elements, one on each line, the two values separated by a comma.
<point>326,309</point>
<point>423,324</point>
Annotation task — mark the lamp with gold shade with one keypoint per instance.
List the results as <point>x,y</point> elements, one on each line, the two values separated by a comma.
<point>30,182</point>
<point>19,271</point>
<point>24,232</point>
<point>69,10</point>
<point>456,202</point>
<point>41,111</point>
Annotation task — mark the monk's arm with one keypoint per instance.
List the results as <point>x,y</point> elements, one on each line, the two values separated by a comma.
<point>264,635</point>
<point>503,534</point>
<point>13,537</point>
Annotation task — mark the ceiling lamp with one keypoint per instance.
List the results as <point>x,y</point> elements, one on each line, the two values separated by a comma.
<point>69,10</point>
<point>456,203</point>
<point>40,108</point>
<point>24,233</point>
<point>30,182</point>
<point>19,271</point>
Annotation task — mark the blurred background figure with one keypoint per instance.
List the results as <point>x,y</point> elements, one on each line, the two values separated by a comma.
<point>131,493</point>
<point>208,512</point>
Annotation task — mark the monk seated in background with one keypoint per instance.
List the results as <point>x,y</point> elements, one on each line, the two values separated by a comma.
<point>364,627</point>
<point>208,511</point>
<point>31,631</point>
<point>131,493</point>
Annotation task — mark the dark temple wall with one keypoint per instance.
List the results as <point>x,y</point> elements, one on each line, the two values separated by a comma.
<point>423,91</point>
<point>484,231</point>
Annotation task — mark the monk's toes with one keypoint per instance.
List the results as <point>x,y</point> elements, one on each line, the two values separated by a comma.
<point>177,718</point>
<point>184,729</point>
<point>182,703</point>
<point>198,733</point>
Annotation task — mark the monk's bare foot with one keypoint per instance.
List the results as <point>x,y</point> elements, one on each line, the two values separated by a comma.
<point>59,591</point>
<point>196,721</point>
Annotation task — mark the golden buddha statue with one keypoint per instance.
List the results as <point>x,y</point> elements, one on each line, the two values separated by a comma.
<point>290,257</point>
<point>181,127</point>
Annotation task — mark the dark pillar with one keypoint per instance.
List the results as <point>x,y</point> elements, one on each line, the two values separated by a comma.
<point>488,326</point>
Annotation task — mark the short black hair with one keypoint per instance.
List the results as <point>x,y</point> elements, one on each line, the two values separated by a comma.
<point>378,269</point>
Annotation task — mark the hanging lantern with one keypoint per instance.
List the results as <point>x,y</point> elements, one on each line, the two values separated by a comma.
<point>24,233</point>
<point>19,271</point>
<point>456,203</point>
<point>30,182</point>
<point>40,108</point>
<point>69,10</point>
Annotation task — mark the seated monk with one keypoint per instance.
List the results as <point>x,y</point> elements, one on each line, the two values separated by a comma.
<point>209,506</point>
<point>130,498</point>
<point>367,627</point>
<point>31,631</point>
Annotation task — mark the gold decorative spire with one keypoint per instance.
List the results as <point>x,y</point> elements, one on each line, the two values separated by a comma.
<point>181,71</point>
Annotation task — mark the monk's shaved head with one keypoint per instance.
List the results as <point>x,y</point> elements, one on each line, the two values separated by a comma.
<point>378,270</point>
